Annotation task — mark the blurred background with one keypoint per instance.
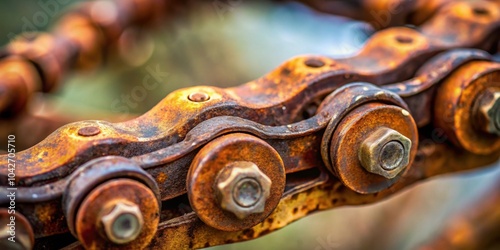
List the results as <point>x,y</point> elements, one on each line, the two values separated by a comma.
<point>228,46</point>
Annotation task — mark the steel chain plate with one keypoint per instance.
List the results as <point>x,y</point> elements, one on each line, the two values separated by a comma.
<point>313,134</point>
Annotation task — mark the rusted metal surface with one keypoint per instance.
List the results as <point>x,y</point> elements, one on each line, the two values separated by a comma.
<point>95,172</point>
<point>381,14</point>
<point>19,81</point>
<point>486,108</point>
<point>357,127</point>
<point>43,120</point>
<point>242,189</point>
<point>123,223</point>
<point>385,152</point>
<point>322,192</point>
<point>455,100</point>
<point>209,166</point>
<point>92,232</point>
<point>79,41</point>
<point>16,231</point>
<point>263,100</point>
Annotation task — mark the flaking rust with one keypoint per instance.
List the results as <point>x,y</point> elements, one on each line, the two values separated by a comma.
<point>210,166</point>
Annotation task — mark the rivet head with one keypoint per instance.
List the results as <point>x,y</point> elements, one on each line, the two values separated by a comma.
<point>242,189</point>
<point>199,97</point>
<point>314,63</point>
<point>480,11</point>
<point>385,152</point>
<point>89,131</point>
<point>123,224</point>
<point>404,39</point>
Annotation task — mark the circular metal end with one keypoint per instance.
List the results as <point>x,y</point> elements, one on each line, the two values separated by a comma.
<point>243,189</point>
<point>15,231</point>
<point>118,213</point>
<point>488,111</point>
<point>247,192</point>
<point>466,107</point>
<point>385,152</point>
<point>391,155</point>
<point>123,224</point>
<point>199,97</point>
<point>365,147</point>
<point>89,131</point>
<point>225,187</point>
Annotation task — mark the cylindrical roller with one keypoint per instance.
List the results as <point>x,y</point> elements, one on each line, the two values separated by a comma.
<point>118,213</point>
<point>52,55</point>
<point>235,182</point>
<point>467,107</point>
<point>111,202</point>
<point>16,232</point>
<point>19,79</point>
<point>373,146</point>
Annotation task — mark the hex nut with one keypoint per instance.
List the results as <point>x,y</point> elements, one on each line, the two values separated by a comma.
<point>242,189</point>
<point>123,224</point>
<point>385,152</point>
<point>488,111</point>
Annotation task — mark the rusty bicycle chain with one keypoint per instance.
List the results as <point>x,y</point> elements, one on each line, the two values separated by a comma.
<point>197,143</point>
<point>38,61</point>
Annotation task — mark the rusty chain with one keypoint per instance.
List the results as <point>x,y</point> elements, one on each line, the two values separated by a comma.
<point>210,166</point>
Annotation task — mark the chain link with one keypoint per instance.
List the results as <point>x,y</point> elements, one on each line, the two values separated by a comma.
<point>313,134</point>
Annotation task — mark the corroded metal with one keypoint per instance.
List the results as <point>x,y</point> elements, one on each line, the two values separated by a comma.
<point>488,111</point>
<point>79,41</point>
<point>242,188</point>
<point>16,231</point>
<point>381,14</point>
<point>281,103</point>
<point>123,224</point>
<point>209,166</point>
<point>220,155</point>
<point>357,127</point>
<point>317,193</point>
<point>385,152</point>
<point>455,99</point>
<point>94,233</point>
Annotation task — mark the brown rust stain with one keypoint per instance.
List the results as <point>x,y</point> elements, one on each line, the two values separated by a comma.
<point>162,177</point>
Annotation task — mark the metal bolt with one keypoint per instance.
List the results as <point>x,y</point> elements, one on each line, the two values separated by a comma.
<point>488,111</point>
<point>391,155</point>
<point>198,97</point>
<point>123,224</point>
<point>385,152</point>
<point>247,192</point>
<point>242,189</point>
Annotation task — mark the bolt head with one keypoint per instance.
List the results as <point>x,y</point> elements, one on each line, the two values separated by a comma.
<point>489,111</point>
<point>123,224</point>
<point>242,189</point>
<point>385,152</point>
